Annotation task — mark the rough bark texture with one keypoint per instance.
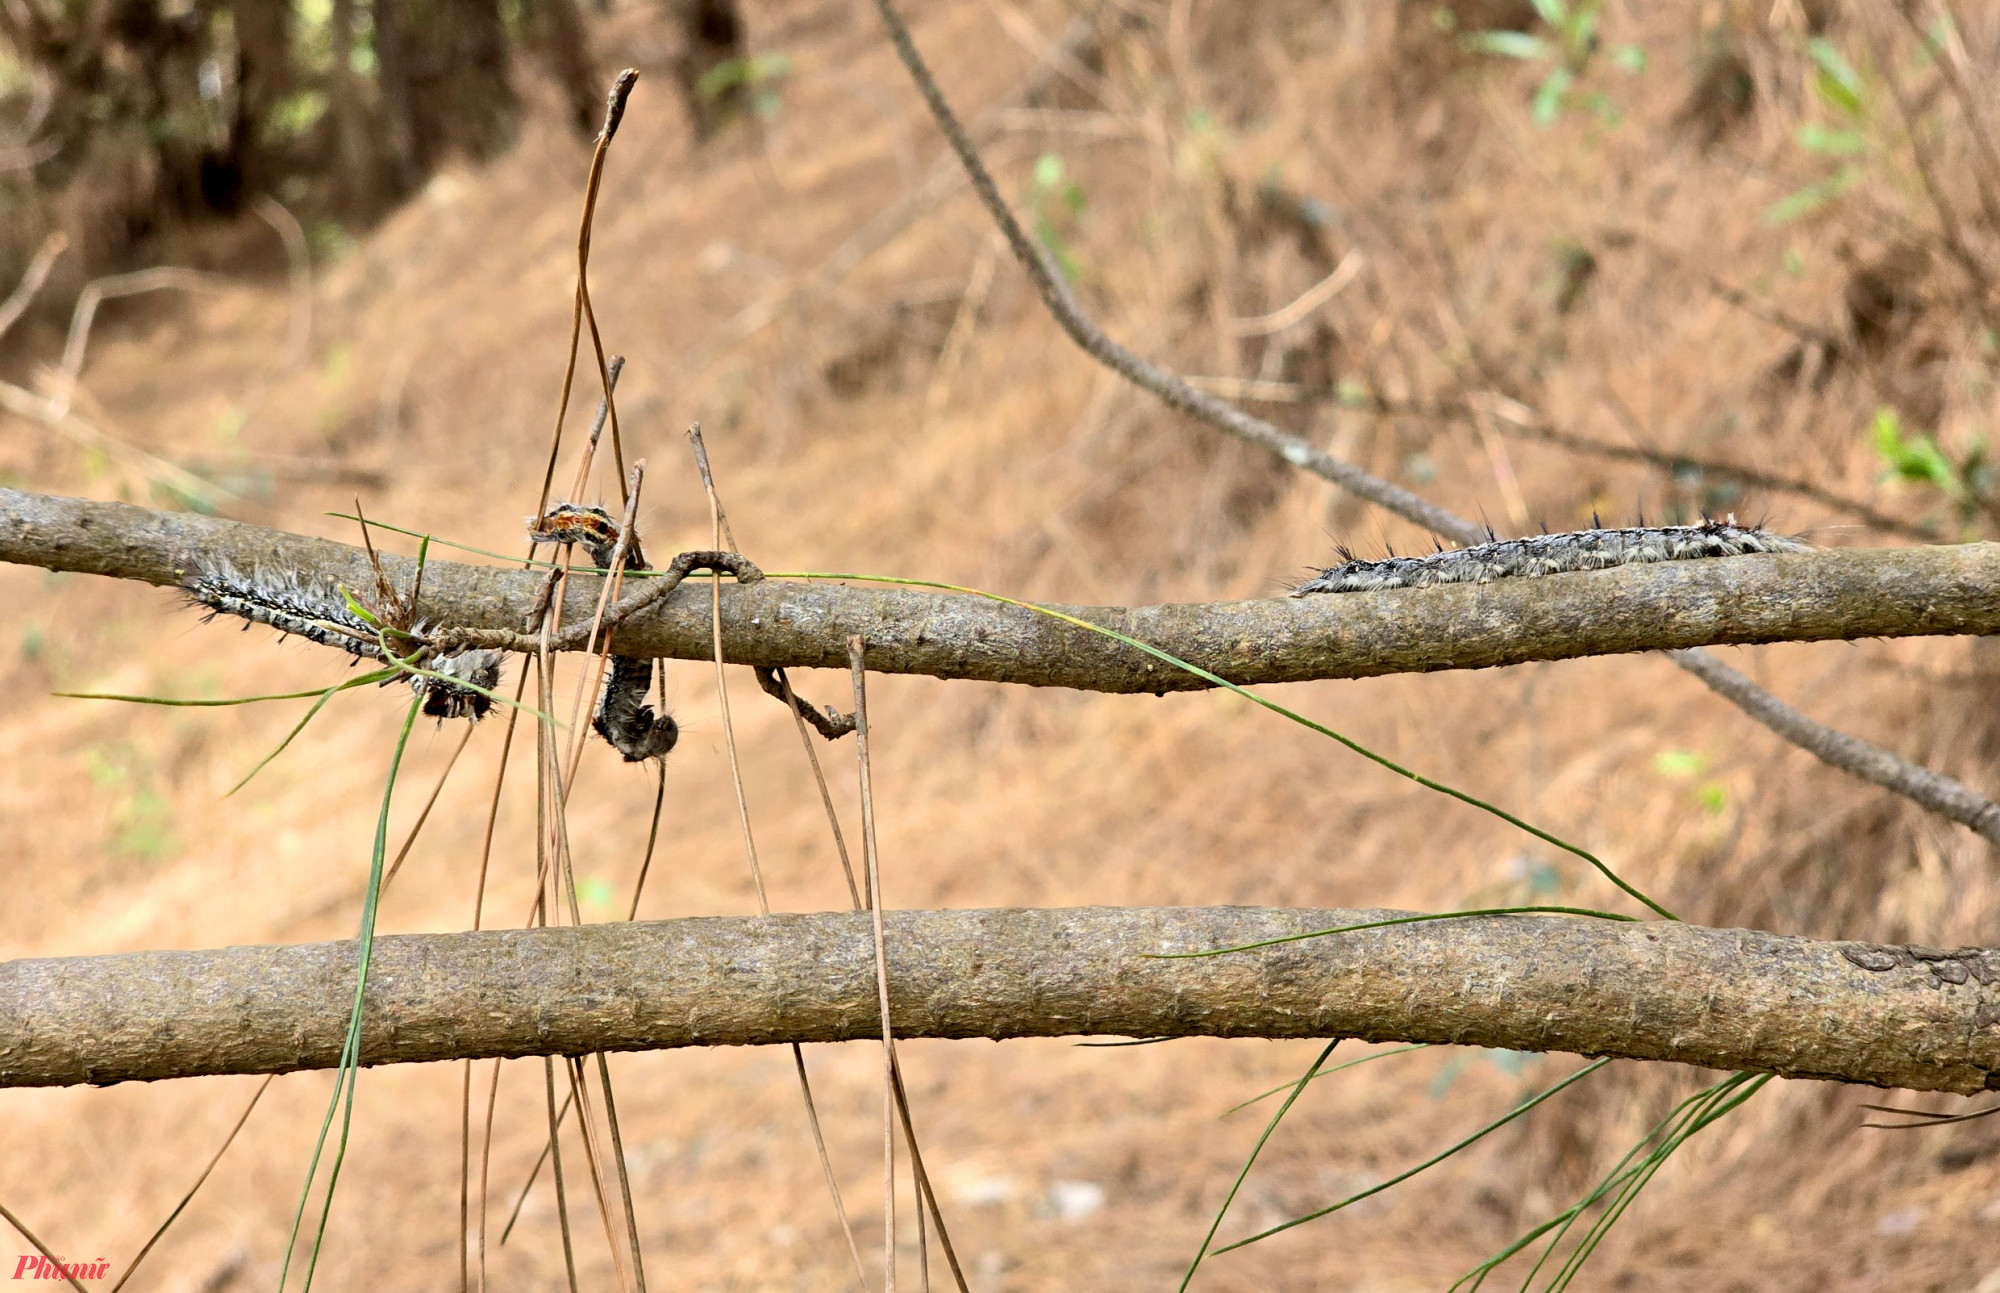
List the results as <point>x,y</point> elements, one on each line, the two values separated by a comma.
<point>1721,998</point>
<point>1815,596</point>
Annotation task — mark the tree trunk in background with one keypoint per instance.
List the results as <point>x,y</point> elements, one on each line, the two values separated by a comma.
<point>446,87</point>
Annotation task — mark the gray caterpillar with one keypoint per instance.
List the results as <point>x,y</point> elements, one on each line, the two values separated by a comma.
<point>623,716</point>
<point>320,614</point>
<point>1551,554</point>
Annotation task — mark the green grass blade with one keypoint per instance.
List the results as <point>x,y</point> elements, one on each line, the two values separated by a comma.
<point>1383,924</point>
<point>1365,1059</point>
<point>1727,1099</point>
<point>1428,1163</point>
<point>1665,1128</point>
<point>375,675</point>
<point>1298,1089</point>
<point>350,1053</point>
<point>1217,680</point>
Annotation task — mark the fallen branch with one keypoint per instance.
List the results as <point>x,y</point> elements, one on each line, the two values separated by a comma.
<point>772,623</point>
<point>1720,998</point>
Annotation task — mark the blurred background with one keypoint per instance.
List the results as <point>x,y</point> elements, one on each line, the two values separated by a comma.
<point>1531,260</point>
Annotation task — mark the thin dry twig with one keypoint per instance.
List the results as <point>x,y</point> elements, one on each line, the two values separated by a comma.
<point>614,112</point>
<point>719,531</point>
<point>132,1267</point>
<point>871,869</point>
<point>40,1247</point>
<point>1311,299</point>
<point>721,676</point>
<point>424,816</point>
<point>1883,768</point>
<point>23,295</point>
<point>298,347</point>
<point>100,290</point>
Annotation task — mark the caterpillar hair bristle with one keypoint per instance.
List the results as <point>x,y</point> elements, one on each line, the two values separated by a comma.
<point>623,717</point>
<point>283,602</point>
<point>447,699</point>
<point>1551,554</point>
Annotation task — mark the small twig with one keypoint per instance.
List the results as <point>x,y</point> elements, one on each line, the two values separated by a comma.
<point>40,1247</point>
<point>555,1153</point>
<point>274,213</point>
<point>31,282</point>
<point>826,1166</point>
<point>1924,1117</point>
<point>829,722</point>
<point>614,112</point>
<point>717,526</point>
<point>1941,794</point>
<point>1947,55</point>
<point>1311,299</point>
<point>132,1266</point>
<point>100,290</point>
<point>577,636</point>
<point>425,815</point>
<point>871,869</point>
<point>1979,277</point>
<point>60,418</point>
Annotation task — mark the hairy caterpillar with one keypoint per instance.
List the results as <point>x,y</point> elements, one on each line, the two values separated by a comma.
<point>623,717</point>
<point>321,614</point>
<point>1550,554</point>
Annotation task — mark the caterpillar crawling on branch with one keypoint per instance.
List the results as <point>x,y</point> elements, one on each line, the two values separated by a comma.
<point>323,615</point>
<point>1550,554</point>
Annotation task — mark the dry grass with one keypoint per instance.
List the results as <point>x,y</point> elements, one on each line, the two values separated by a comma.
<point>1038,475</point>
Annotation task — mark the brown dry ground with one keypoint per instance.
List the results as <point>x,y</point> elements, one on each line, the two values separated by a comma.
<point>844,442</point>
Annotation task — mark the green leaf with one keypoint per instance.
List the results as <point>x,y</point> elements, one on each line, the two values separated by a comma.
<point>1837,81</point>
<point>1553,12</point>
<point>1816,138</point>
<point>1549,96</point>
<point>1914,456</point>
<point>1048,170</point>
<point>1812,197</point>
<point>1508,44</point>
<point>1680,763</point>
<point>1630,58</point>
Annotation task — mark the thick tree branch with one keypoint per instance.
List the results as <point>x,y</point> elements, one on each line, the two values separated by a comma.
<point>769,624</point>
<point>1720,998</point>
<point>1812,596</point>
<point>1871,763</point>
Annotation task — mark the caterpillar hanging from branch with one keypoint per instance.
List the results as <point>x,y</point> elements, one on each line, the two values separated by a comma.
<point>623,717</point>
<point>1550,554</point>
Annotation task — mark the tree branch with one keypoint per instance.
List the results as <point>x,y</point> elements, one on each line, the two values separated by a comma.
<point>1720,998</point>
<point>1872,763</point>
<point>1813,596</point>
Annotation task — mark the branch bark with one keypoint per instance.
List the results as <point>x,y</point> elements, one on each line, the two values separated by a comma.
<point>1720,998</point>
<point>1814,596</point>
